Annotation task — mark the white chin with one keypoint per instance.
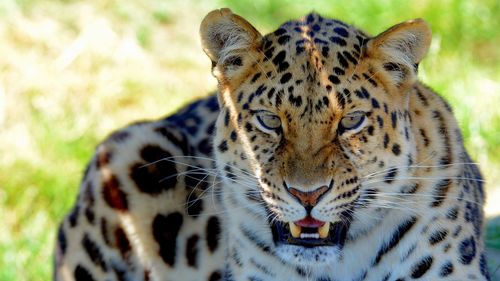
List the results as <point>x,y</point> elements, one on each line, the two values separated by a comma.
<point>315,256</point>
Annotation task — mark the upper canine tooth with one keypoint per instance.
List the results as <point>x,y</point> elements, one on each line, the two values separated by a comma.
<point>295,230</point>
<point>324,229</point>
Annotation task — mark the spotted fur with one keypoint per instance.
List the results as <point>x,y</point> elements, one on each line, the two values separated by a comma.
<point>193,196</point>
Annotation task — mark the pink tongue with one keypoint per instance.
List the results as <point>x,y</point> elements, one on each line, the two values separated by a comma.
<point>309,222</point>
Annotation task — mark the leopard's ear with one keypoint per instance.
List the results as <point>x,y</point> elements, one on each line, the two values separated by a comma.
<point>229,41</point>
<point>399,50</point>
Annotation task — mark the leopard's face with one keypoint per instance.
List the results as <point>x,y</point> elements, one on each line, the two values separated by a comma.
<point>313,125</point>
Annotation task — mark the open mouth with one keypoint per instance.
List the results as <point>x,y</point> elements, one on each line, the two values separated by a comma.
<point>310,232</point>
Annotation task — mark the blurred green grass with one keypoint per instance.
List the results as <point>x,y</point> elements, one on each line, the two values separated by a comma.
<point>72,71</point>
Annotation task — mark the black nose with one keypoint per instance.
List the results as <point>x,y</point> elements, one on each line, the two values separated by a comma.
<point>309,199</point>
<point>309,209</point>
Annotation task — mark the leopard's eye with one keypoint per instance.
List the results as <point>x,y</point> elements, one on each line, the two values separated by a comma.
<point>268,121</point>
<point>352,121</point>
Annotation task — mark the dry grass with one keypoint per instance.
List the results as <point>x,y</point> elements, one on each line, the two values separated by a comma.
<point>73,71</point>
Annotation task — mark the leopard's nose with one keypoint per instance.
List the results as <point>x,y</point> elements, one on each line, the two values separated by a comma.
<point>309,199</point>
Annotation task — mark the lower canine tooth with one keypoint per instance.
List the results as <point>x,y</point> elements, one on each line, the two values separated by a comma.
<point>295,230</point>
<point>324,229</point>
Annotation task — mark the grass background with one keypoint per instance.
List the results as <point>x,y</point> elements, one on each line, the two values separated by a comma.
<point>72,71</point>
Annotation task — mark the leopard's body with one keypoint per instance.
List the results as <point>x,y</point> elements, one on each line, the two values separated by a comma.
<point>315,124</point>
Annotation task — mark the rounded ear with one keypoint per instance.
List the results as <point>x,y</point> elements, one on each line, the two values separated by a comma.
<point>401,48</point>
<point>227,39</point>
<point>223,33</point>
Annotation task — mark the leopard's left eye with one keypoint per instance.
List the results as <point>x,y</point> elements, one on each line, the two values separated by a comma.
<point>268,121</point>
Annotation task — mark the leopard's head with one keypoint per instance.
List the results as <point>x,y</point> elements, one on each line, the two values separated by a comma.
<point>314,120</point>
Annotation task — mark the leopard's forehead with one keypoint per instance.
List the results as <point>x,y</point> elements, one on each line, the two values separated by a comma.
<point>319,41</point>
<point>308,67</point>
<point>319,31</point>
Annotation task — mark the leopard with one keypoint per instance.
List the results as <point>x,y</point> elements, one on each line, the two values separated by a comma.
<point>321,156</point>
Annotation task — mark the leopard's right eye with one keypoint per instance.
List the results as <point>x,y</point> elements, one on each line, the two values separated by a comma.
<point>267,122</point>
<point>352,122</point>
